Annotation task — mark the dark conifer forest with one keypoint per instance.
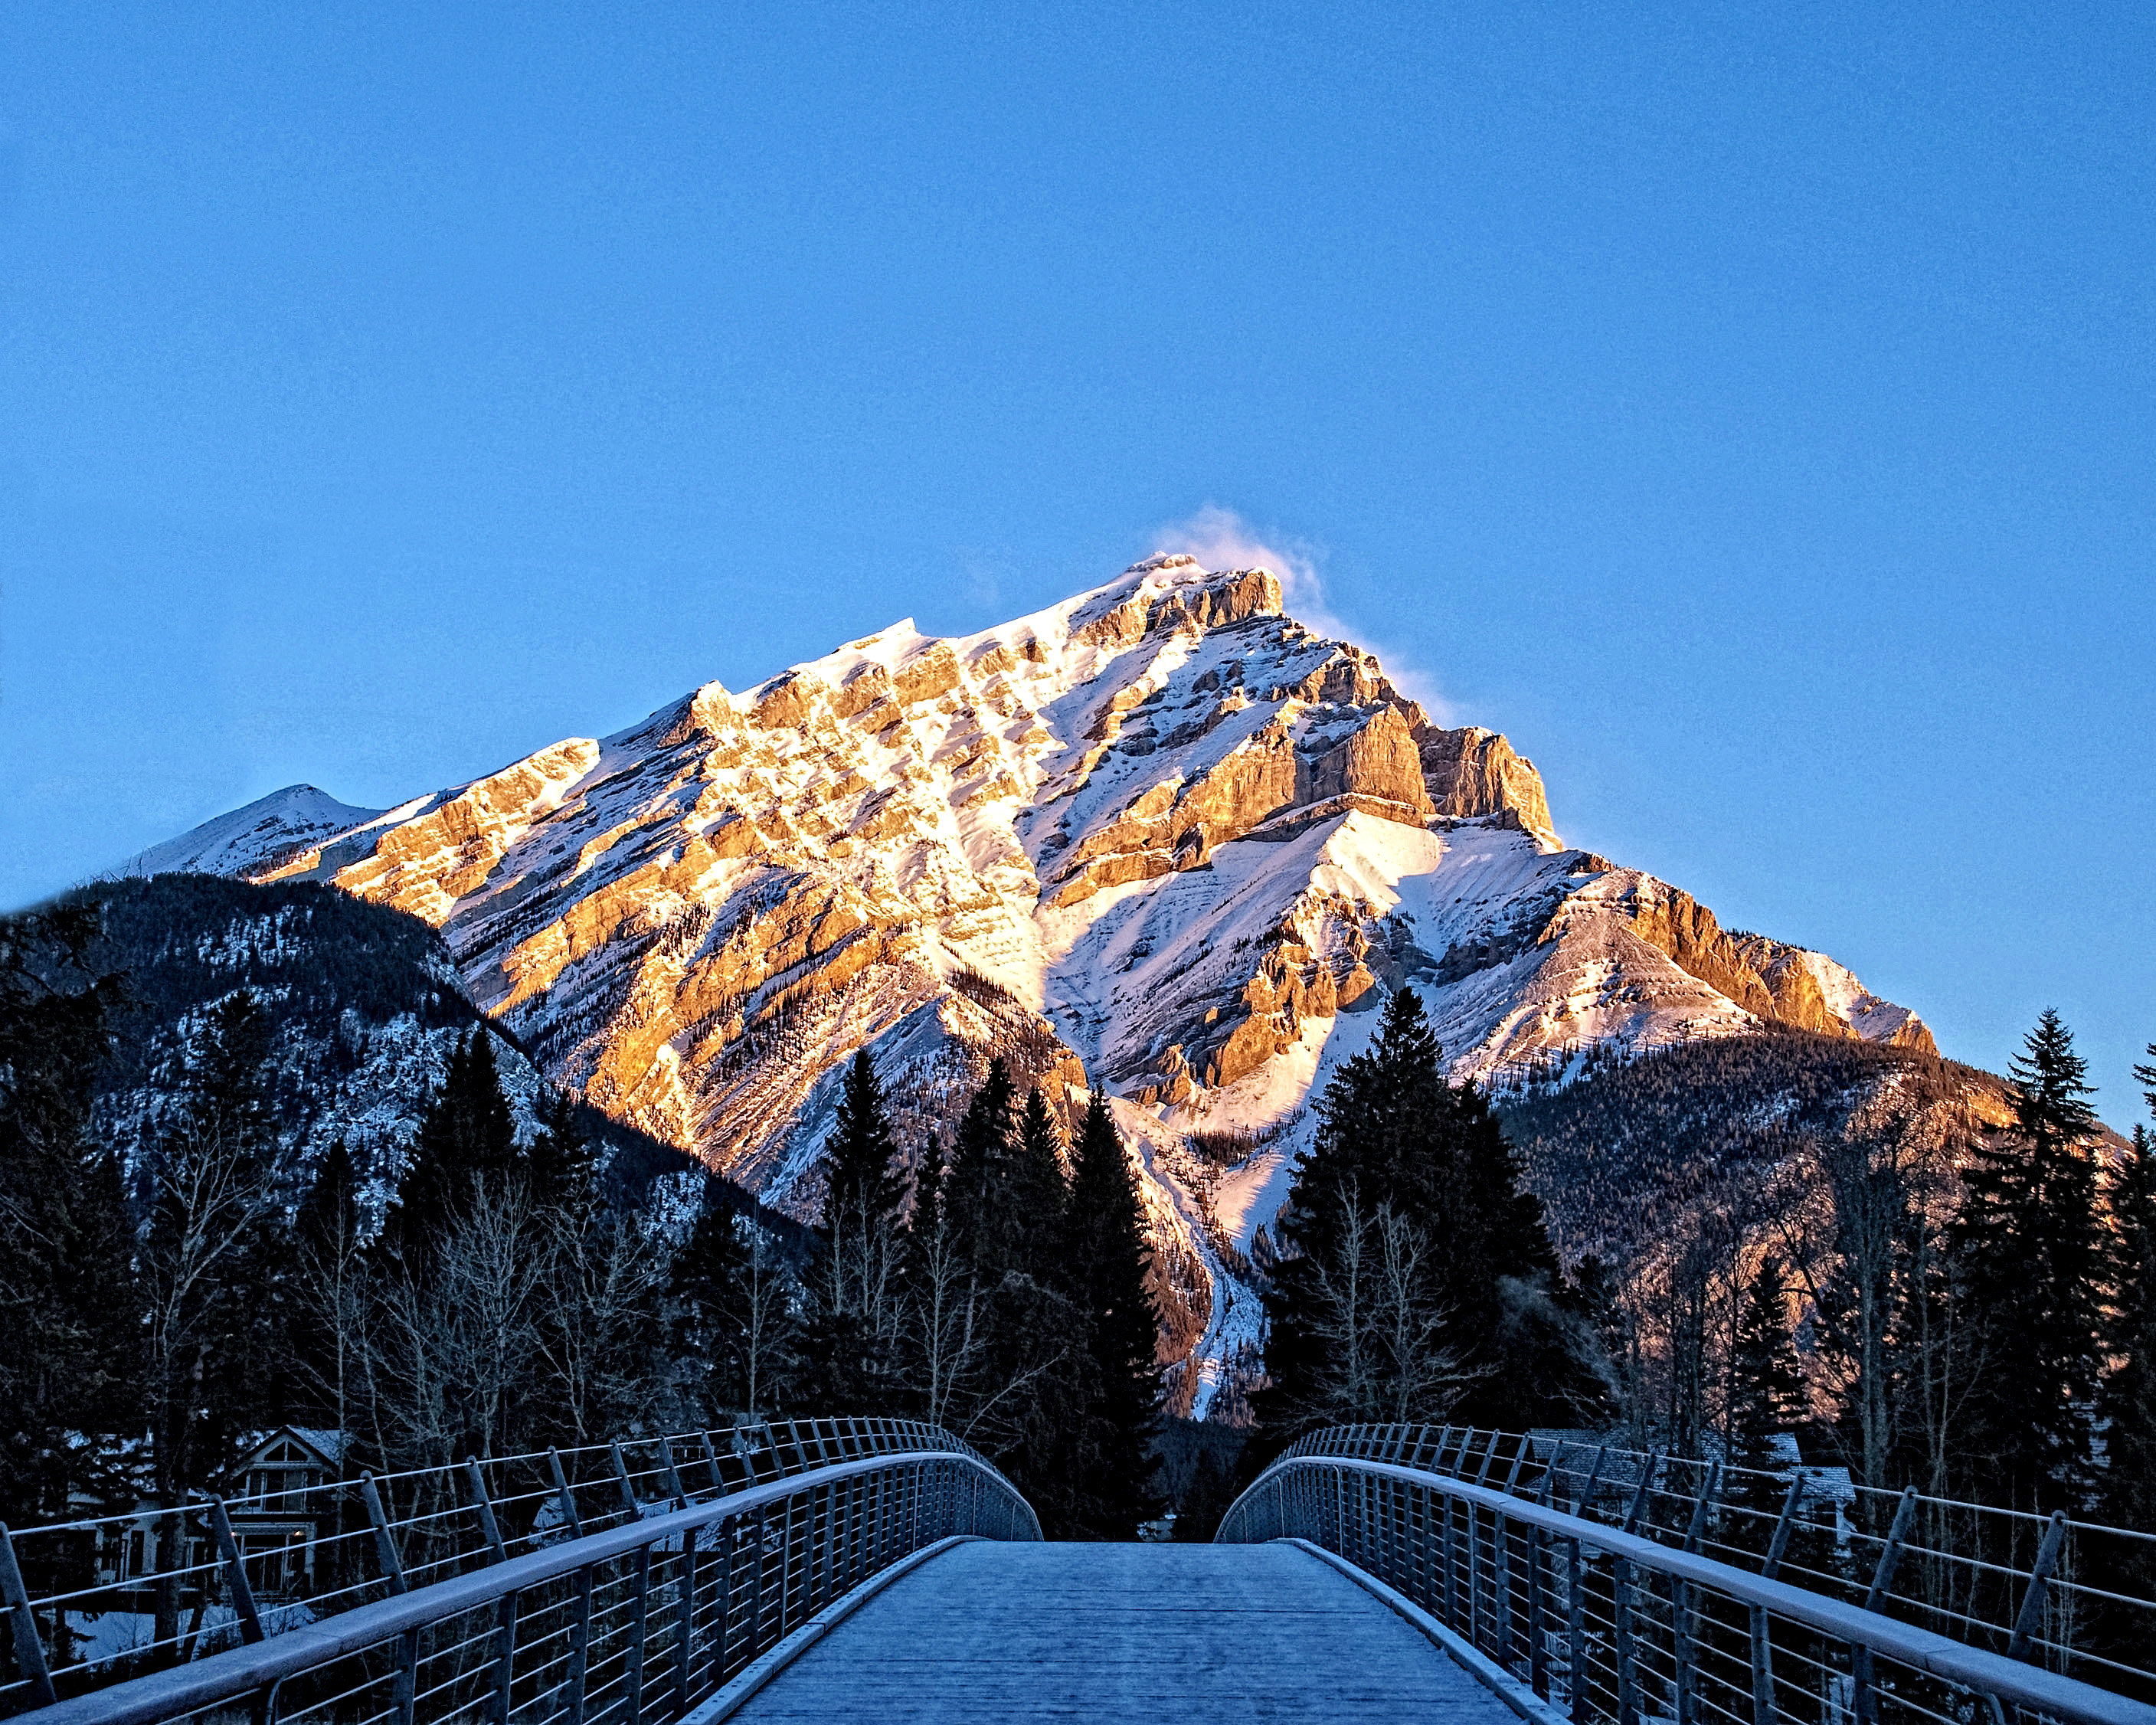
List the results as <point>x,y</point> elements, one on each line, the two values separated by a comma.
<point>1707,1249</point>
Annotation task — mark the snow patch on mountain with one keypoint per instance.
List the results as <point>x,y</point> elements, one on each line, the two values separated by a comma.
<point>264,831</point>
<point>1874,1019</point>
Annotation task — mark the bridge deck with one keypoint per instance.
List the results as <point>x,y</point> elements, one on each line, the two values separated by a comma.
<point>1186,1633</point>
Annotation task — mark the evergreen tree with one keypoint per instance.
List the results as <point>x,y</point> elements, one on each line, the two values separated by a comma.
<point>1106,1258</point>
<point>2128,1400</point>
<point>1206,1497</point>
<point>72,1361</point>
<point>564,1162</point>
<point>847,1340</point>
<point>1766,1393</point>
<point>863,1194</point>
<point>1034,1197</point>
<point>980,1166</point>
<point>939,1346</point>
<point>212,1259</point>
<point>1417,1279</point>
<point>998,1351</point>
<point>734,1315</point>
<point>863,1189</point>
<point>467,1143</point>
<point>2031,1263</point>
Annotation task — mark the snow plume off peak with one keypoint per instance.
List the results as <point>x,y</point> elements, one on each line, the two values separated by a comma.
<point>1221,539</point>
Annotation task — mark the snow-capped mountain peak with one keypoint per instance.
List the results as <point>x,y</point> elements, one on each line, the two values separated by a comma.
<point>1160,836</point>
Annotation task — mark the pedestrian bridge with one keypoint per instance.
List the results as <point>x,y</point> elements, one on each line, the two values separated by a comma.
<point>1195,1633</point>
<point>882,1570</point>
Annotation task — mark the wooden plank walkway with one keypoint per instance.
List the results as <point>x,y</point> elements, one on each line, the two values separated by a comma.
<point>1187,1634</point>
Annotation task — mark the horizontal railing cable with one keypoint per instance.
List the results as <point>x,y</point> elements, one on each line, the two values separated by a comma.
<point>600,1586</point>
<point>1580,1569</point>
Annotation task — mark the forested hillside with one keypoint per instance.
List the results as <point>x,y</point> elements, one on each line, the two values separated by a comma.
<point>365,1005</point>
<point>1622,1153</point>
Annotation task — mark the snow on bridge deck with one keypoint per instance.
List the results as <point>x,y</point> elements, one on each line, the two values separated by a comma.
<point>1190,1633</point>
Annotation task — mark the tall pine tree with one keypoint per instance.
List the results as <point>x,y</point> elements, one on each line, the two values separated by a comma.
<point>1033,1196</point>
<point>980,1165</point>
<point>467,1145</point>
<point>2031,1267</point>
<point>848,1342</point>
<point>1107,1256</point>
<point>863,1192</point>
<point>2128,1401</point>
<point>1767,1381</point>
<point>72,1362</point>
<point>1418,1278</point>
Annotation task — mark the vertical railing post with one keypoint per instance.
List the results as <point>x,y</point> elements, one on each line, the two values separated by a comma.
<point>1762,1645</point>
<point>504,1656</point>
<point>1475,1583</point>
<point>729,1539</point>
<point>505,1610</point>
<point>29,1645</point>
<point>1474,1573</point>
<point>1451,1568</point>
<point>685,1634</point>
<point>564,1497</point>
<point>1620,1579</point>
<point>2031,1617</point>
<point>1680,1599</point>
<point>632,1681</point>
<point>1863,1701</point>
<point>405,1683</point>
<point>755,1645</point>
<point>489,1529</point>
<point>1575,1674</point>
<point>235,1572</point>
<point>385,1548</point>
<point>574,1681</point>
<point>1502,1565</point>
<point>1537,1546</point>
<point>1575,1603</point>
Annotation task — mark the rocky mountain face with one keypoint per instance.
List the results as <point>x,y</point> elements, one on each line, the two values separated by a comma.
<point>1161,837</point>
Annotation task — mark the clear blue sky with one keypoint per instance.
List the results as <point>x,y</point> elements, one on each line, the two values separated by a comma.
<point>1748,409</point>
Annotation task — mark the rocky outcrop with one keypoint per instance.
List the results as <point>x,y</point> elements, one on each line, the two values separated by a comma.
<point>1796,993</point>
<point>424,865</point>
<point>1681,927</point>
<point>1472,772</point>
<point>1816,993</point>
<point>1376,768</point>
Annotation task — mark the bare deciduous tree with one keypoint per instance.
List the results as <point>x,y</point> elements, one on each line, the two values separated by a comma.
<point>1384,1333</point>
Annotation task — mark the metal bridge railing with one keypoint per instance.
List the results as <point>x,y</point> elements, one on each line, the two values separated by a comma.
<point>1598,1580</point>
<point>610,1594</point>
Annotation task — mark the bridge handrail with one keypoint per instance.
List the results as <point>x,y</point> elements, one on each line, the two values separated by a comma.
<point>1260,1513</point>
<point>1967,1570</point>
<point>258,1668</point>
<point>54,1573</point>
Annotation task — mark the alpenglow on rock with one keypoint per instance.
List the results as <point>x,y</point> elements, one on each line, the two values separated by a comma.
<point>1161,834</point>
